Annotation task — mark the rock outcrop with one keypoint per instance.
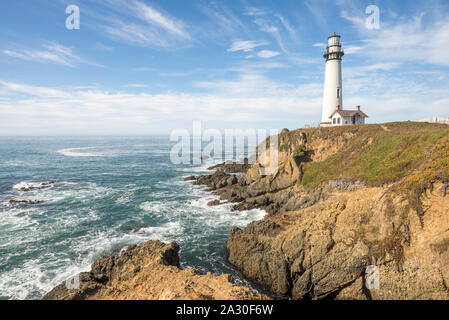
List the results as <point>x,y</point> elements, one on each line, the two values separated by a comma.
<point>324,250</point>
<point>148,272</point>
<point>343,199</point>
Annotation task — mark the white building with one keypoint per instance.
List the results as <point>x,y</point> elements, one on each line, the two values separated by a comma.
<point>436,120</point>
<point>332,112</point>
<point>347,117</point>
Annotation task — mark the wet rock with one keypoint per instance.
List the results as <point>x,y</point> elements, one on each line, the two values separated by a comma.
<point>232,167</point>
<point>138,228</point>
<point>25,201</point>
<point>43,185</point>
<point>147,272</point>
<point>213,203</point>
<point>189,178</point>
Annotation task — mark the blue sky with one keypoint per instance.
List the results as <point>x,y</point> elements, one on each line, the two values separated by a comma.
<point>149,66</point>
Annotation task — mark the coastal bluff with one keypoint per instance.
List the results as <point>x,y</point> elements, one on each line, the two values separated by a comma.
<point>341,200</point>
<point>148,272</point>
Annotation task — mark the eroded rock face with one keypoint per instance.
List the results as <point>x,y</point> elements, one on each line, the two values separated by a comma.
<point>323,251</point>
<point>148,272</point>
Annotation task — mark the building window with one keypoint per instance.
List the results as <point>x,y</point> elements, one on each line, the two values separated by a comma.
<point>338,120</point>
<point>334,121</point>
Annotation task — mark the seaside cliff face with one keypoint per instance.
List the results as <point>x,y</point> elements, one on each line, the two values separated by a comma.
<point>148,272</point>
<point>344,199</point>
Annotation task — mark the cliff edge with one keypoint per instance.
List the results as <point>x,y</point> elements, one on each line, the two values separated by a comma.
<point>343,199</point>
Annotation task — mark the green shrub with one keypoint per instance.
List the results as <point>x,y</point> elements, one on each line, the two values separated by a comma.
<point>300,151</point>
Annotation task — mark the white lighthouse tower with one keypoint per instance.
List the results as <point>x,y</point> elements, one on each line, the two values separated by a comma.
<point>333,95</point>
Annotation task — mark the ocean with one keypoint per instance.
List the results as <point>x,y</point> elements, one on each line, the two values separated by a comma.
<point>91,192</point>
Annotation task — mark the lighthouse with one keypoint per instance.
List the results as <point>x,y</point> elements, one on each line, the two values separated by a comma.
<point>333,94</point>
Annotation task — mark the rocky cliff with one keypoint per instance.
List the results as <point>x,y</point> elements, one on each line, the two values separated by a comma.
<point>341,200</point>
<point>148,272</point>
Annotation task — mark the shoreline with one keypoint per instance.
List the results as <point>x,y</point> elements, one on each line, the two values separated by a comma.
<point>93,281</point>
<point>322,233</point>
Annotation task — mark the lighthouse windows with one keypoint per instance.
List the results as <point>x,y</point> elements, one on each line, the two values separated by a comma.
<point>338,93</point>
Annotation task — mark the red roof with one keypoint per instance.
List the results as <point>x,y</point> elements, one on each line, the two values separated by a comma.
<point>349,113</point>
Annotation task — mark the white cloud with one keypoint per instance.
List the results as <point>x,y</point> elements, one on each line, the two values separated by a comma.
<point>405,39</point>
<point>291,31</point>
<point>265,54</point>
<point>138,23</point>
<point>246,46</point>
<point>53,52</point>
<point>222,22</point>
<point>135,85</point>
<point>253,11</point>
<point>38,91</point>
<point>356,19</point>
<point>152,16</point>
<point>352,49</point>
<point>266,26</point>
<point>251,97</point>
<point>368,69</point>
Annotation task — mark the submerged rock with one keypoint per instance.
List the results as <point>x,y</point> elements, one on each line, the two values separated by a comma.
<point>25,201</point>
<point>42,185</point>
<point>213,203</point>
<point>138,228</point>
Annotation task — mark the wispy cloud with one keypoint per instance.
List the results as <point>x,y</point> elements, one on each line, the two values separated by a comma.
<point>150,15</point>
<point>138,23</point>
<point>265,54</point>
<point>254,12</point>
<point>246,46</point>
<point>404,39</point>
<point>352,49</point>
<point>135,85</point>
<point>38,91</point>
<point>290,29</point>
<point>222,22</point>
<point>275,24</point>
<point>52,52</point>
